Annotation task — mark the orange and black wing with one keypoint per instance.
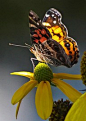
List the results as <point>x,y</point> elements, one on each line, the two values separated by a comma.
<point>38,32</point>
<point>44,47</point>
<point>59,33</point>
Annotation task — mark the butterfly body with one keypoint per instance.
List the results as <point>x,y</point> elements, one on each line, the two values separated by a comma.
<point>51,43</point>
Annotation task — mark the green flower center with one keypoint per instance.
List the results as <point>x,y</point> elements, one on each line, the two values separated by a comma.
<point>83,68</point>
<point>43,72</point>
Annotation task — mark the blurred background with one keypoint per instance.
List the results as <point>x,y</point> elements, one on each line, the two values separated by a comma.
<point>14,28</point>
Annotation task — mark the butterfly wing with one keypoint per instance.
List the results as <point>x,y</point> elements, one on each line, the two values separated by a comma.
<point>38,32</point>
<point>56,54</point>
<point>59,32</point>
<point>52,20</point>
<point>44,47</point>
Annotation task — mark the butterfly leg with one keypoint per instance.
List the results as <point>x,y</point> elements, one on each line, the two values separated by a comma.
<point>32,60</point>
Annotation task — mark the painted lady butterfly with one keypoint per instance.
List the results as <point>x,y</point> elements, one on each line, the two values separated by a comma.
<point>51,43</point>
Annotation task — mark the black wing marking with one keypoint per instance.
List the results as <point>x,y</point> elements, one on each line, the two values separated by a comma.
<point>36,28</point>
<point>53,17</point>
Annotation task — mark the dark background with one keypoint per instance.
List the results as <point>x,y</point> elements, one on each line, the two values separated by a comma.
<point>14,28</point>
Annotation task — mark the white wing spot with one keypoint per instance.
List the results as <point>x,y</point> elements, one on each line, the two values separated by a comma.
<point>47,15</point>
<point>52,15</point>
<point>37,23</point>
<point>54,22</point>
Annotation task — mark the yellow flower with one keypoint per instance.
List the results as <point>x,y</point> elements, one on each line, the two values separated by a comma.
<point>78,110</point>
<point>83,68</point>
<point>42,78</point>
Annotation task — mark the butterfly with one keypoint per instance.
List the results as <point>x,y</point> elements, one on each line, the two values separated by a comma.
<point>50,41</point>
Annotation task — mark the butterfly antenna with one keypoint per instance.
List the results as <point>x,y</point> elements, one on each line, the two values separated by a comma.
<point>26,45</point>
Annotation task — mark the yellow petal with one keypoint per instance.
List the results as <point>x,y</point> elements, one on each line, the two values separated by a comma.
<point>23,91</point>
<point>67,76</point>
<point>43,100</point>
<point>17,109</point>
<point>24,73</point>
<point>78,110</point>
<point>68,90</point>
